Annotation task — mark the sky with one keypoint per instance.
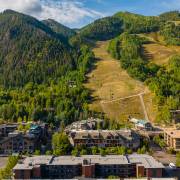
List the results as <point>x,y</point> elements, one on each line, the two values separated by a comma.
<point>78,13</point>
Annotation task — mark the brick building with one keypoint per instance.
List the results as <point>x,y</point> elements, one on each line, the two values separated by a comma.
<point>105,138</point>
<point>172,138</point>
<point>89,166</point>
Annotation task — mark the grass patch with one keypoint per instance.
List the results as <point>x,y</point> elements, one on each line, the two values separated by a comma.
<point>109,81</point>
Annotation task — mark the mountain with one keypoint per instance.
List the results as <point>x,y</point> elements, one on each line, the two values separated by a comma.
<point>30,50</point>
<point>170,16</point>
<point>110,27</point>
<point>103,29</point>
<point>135,23</point>
<point>59,28</point>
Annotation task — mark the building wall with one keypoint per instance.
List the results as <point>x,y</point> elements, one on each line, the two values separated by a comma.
<point>103,171</point>
<point>22,174</point>
<point>154,173</point>
<point>36,173</point>
<point>88,171</point>
<point>61,171</point>
<point>105,143</point>
<point>172,142</point>
<point>17,144</point>
<point>140,171</point>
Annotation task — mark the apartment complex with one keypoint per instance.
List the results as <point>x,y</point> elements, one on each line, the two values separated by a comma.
<point>172,138</point>
<point>105,138</point>
<point>89,166</point>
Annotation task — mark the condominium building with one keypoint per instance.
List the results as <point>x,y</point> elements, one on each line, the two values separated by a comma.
<point>89,166</point>
<point>105,138</point>
<point>172,138</point>
<point>5,129</point>
<point>18,142</point>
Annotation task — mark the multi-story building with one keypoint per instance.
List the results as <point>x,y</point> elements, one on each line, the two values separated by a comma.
<point>172,138</point>
<point>89,166</point>
<point>89,124</point>
<point>105,138</point>
<point>5,129</point>
<point>17,142</point>
<point>175,115</point>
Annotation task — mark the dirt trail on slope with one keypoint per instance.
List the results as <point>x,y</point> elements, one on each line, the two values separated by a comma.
<point>108,82</point>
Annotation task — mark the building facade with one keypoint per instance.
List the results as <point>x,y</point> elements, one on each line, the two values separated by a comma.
<point>105,138</point>
<point>89,166</point>
<point>18,142</point>
<point>172,138</point>
<point>175,115</point>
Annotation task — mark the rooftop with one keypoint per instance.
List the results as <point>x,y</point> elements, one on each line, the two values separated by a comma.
<point>146,160</point>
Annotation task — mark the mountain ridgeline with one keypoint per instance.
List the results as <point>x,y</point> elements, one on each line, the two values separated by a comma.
<point>34,51</point>
<point>59,28</point>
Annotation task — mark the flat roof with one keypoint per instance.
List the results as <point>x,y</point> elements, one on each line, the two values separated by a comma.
<point>94,159</point>
<point>146,160</point>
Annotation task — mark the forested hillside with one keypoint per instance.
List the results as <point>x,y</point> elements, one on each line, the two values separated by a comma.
<point>41,74</point>
<point>103,29</point>
<point>30,51</point>
<point>135,23</point>
<point>171,33</point>
<point>170,16</point>
<point>59,28</point>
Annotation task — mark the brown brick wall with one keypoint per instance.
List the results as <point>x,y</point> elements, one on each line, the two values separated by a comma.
<point>140,171</point>
<point>37,172</point>
<point>88,171</point>
<point>159,172</point>
<point>22,174</point>
<point>154,173</point>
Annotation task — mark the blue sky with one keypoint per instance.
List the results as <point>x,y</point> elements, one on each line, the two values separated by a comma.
<point>77,13</point>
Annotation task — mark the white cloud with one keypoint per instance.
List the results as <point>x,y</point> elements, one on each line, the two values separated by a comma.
<point>65,11</point>
<point>26,6</point>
